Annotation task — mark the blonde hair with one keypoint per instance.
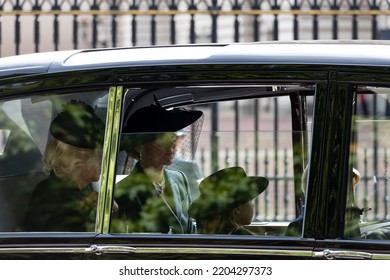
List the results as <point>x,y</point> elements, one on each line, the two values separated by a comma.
<point>224,224</point>
<point>66,161</point>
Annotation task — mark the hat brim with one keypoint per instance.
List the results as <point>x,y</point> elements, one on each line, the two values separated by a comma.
<point>147,123</point>
<point>260,184</point>
<point>154,119</point>
<point>208,206</point>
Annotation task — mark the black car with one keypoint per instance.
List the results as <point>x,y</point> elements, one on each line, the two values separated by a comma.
<point>301,125</point>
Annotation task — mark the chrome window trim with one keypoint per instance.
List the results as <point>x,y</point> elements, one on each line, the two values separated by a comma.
<point>348,254</point>
<point>111,139</point>
<point>98,250</point>
<point>55,250</point>
<point>225,251</point>
<point>114,249</point>
<point>94,249</point>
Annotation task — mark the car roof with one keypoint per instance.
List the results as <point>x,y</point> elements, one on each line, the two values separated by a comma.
<point>347,53</point>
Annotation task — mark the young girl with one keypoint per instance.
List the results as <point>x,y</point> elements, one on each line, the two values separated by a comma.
<point>225,204</point>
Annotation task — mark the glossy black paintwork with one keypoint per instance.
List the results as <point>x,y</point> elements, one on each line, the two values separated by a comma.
<point>22,240</point>
<point>313,226</point>
<point>206,242</point>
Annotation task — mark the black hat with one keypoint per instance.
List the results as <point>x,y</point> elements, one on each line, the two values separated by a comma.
<point>148,122</point>
<point>156,119</point>
<point>225,190</point>
<point>78,125</point>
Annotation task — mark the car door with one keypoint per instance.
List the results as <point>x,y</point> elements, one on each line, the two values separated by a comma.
<point>355,220</point>
<point>264,127</point>
<point>26,133</point>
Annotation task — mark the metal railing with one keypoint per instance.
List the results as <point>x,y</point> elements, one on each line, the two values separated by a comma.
<point>43,25</point>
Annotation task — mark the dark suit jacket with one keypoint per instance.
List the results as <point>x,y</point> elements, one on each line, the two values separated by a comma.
<point>143,209</point>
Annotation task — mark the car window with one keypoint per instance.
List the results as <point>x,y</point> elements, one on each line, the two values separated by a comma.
<point>47,150</point>
<point>233,161</point>
<point>368,207</point>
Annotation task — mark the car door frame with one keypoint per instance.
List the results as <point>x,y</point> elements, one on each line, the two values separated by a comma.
<point>157,246</point>
<point>62,245</point>
<point>330,241</point>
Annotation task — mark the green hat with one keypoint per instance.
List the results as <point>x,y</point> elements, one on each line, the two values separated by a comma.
<point>225,190</point>
<point>78,125</point>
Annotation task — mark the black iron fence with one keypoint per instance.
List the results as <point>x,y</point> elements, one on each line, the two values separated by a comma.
<point>41,25</point>
<point>277,202</point>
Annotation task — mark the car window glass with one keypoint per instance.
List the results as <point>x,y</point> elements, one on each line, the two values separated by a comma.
<point>241,163</point>
<point>37,154</point>
<point>368,207</point>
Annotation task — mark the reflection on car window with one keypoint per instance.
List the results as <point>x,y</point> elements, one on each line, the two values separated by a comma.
<point>152,198</point>
<point>264,137</point>
<point>368,206</point>
<point>52,155</point>
<point>4,137</point>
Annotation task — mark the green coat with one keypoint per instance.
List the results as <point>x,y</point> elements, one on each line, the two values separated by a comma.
<point>142,209</point>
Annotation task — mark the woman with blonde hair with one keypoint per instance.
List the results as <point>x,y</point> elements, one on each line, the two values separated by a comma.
<point>66,201</point>
<point>71,163</point>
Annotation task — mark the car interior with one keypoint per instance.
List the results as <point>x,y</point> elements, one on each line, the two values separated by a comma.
<point>244,143</point>
<point>24,126</point>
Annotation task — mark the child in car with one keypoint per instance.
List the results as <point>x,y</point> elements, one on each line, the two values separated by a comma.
<point>225,204</point>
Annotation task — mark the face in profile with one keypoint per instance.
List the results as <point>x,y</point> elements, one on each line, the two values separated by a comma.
<point>244,213</point>
<point>91,169</point>
<point>160,151</point>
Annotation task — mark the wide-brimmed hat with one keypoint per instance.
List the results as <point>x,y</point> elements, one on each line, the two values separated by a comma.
<point>147,123</point>
<point>225,190</point>
<point>154,118</point>
<point>78,125</point>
